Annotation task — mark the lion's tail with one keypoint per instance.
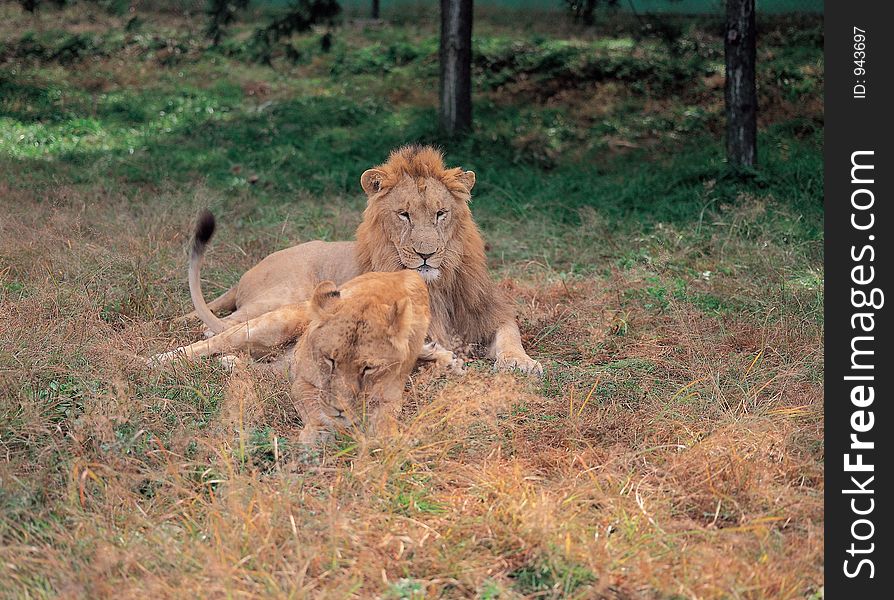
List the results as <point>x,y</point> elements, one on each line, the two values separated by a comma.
<point>201,237</point>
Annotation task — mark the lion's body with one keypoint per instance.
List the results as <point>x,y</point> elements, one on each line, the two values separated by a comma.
<point>417,218</point>
<point>266,286</point>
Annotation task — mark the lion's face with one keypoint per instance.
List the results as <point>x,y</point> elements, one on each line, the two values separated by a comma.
<point>419,217</point>
<point>353,358</point>
<point>353,367</point>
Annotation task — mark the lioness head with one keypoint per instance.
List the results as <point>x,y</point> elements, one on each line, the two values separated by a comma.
<point>419,207</point>
<point>352,363</point>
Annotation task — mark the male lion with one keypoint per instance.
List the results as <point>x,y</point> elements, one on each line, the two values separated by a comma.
<point>417,218</point>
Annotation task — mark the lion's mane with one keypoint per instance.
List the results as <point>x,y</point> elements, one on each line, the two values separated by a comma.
<point>465,302</point>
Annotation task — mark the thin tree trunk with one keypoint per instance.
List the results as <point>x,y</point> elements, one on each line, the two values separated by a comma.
<point>375,9</point>
<point>741,89</point>
<point>456,66</point>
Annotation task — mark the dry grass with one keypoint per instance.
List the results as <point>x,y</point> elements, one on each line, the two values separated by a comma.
<point>667,452</point>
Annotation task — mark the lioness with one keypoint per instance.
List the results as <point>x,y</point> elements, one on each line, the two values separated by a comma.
<point>417,218</point>
<point>362,342</point>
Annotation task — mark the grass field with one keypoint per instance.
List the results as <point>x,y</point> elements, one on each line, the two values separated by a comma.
<point>674,447</point>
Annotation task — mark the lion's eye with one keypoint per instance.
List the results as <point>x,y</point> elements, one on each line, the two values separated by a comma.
<point>367,370</point>
<point>441,214</point>
<point>404,216</point>
<point>329,362</point>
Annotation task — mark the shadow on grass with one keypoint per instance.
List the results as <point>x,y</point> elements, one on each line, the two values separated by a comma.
<point>319,145</point>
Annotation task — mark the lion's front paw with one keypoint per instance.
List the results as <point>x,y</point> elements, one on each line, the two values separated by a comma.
<point>230,361</point>
<point>160,360</point>
<point>519,362</point>
<point>457,366</point>
<point>443,358</point>
<point>312,435</point>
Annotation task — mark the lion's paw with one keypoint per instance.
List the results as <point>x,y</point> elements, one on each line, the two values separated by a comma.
<point>312,436</point>
<point>457,366</point>
<point>230,361</point>
<point>158,361</point>
<point>519,362</point>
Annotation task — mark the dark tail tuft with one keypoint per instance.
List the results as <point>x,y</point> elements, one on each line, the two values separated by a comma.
<point>204,230</point>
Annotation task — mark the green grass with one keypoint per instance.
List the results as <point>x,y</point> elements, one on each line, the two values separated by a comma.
<point>533,161</point>
<point>314,146</point>
<point>557,577</point>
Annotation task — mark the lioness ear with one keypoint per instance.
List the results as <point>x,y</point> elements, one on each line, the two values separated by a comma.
<point>323,299</point>
<point>467,178</point>
<point>371,181</point>
<point>400,319</point>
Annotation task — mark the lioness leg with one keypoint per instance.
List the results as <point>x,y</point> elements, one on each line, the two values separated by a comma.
<point>508,352</point>
<point>314,433</point>
<point>261,336</point>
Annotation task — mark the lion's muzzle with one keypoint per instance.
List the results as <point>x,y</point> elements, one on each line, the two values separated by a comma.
<point>428,273</point>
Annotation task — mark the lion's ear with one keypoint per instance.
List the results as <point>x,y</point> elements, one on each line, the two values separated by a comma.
<point>400,320</point>
<point>371,181</point>
<point>467,178</point>
<point>323,300</point>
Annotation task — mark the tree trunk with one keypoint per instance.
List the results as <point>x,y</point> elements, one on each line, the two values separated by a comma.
<point>375,9</point>
<point>741,89</point>
<point>456,66</point>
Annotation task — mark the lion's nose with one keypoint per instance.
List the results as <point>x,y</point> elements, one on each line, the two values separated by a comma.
<point>425,256</point>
